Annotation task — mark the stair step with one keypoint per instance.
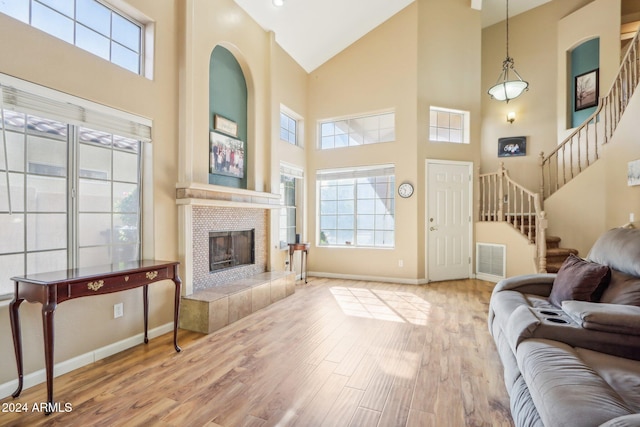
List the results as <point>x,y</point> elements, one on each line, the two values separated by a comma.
<point>557,256</point>
<point>560,252</point>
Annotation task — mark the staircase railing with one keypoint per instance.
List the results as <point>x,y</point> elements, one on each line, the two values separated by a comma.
<point>504,200</point>
<point>582,147</point>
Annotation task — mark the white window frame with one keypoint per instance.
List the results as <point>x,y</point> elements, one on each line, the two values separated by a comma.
<point>440,128</point>
<point>125,11</point>
<point>299,123</point>
<point>297,174</point>
<point>342,177</point>
<point>357,130</point>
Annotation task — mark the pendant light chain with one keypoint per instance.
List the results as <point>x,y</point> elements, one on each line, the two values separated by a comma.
<point>507,29</point>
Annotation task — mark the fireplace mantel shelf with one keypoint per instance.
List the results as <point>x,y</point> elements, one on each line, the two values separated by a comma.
<point>199,194</point>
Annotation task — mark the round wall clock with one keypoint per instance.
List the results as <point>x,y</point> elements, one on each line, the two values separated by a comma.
<point>405,190</point>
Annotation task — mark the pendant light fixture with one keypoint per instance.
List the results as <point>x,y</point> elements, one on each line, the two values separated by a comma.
<point>507,87</point>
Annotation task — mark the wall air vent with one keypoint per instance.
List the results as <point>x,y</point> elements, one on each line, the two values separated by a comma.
<point>491,261</point>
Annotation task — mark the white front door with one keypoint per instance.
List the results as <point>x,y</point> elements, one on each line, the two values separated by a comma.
<point>448,220</point>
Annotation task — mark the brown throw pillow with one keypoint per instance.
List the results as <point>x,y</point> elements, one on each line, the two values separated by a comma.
<point>578,280</point>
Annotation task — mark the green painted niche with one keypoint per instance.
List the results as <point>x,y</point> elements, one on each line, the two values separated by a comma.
<point>228,100</point>
<point>585,58</point>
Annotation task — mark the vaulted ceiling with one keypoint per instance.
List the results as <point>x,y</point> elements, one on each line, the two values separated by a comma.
<point>313,31</point>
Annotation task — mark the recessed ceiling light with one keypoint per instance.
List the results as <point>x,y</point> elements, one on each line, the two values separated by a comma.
<point>278,3</point>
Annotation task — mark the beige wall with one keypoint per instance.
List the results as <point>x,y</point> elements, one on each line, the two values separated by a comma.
<point>177,102</point>
<point>534,45</point>
<point>520,255</point>
<point>86,324</point>
<point>376,73</point>
<point>449,55</point>
<point>289,88</point>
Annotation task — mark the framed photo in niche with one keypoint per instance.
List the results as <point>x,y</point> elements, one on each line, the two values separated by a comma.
<point>512,146</point>
<point>586,90</point>
<point>226,155</point>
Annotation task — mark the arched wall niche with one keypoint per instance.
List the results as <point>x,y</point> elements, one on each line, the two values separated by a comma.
<point>584,66</point>
<point>231,97</point>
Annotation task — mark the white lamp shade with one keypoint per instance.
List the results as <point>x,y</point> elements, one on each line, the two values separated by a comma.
<point>508,90</point>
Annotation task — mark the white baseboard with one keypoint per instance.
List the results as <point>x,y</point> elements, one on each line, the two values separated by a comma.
<point>69,365</point>
<point>488,277</point>
<point>369,278</point>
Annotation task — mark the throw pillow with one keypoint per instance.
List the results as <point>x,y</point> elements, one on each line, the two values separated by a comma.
<point>578,280</point>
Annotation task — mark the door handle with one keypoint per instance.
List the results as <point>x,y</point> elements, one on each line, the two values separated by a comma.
<point>433,229</point>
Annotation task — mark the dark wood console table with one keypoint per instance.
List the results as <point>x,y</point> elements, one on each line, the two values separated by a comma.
<point>50,289</point>
<point>304,247</point>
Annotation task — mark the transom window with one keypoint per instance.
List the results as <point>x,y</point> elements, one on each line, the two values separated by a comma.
<point>354,131</point>
<point>357,207</point>
<point>447,125</point>
<point>89,24</point>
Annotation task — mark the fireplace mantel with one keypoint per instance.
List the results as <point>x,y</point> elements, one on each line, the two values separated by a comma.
<point>198,194</point>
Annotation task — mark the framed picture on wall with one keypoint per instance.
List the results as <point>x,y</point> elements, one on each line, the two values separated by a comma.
<point>633,173</point>
<point>586,90</point>
<point>227,126</point>
<point>512,146</point>
<point>226,155</point>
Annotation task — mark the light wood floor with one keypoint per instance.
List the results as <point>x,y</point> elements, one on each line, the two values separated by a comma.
<point>336,353</point>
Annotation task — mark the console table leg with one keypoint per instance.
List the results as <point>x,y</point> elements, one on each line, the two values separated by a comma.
<point>14,315</point>
<point>47,326</point>
<point>176,311</point>
<point>145,304</point>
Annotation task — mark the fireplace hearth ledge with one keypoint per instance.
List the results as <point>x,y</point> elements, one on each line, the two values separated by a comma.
<point>211,309</point>
<point>199,194</point>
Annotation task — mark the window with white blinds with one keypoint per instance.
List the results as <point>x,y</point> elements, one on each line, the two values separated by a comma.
<point>70,182</point>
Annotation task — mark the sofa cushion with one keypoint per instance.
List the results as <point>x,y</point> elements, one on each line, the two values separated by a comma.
<point>619,248</point>
<point>622,289</point>
<point>565,389</point>
<point>598,316</point>
<point>578,279</point>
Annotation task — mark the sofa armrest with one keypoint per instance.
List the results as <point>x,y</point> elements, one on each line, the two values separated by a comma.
<point>615,318</point>
<point>537,284</point>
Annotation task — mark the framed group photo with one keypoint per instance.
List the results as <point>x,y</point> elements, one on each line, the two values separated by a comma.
<point>226,155</point>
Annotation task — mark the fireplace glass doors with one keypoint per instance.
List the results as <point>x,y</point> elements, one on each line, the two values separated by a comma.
<point>229,249</point>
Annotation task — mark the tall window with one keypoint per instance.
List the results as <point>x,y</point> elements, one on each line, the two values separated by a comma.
<point>89,24</point>
<point>289,178</point>
<point>357,207</point>
<point>288,211</point>
<point>353,131</point>
<point>446,125</point>
<point>70,195</point>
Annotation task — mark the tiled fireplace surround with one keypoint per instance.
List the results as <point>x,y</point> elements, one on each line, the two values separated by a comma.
<point>212,300</point>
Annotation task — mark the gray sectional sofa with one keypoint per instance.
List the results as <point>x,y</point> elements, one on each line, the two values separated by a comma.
<point>570,342</point>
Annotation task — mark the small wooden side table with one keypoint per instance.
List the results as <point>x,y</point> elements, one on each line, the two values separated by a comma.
<point>304,266</point>
<point>50,289</point>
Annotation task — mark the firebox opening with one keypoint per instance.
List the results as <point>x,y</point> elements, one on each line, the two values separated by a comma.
<point>229,249</point>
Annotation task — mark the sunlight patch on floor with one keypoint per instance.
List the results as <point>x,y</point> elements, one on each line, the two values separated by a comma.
<point>382,305</point>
